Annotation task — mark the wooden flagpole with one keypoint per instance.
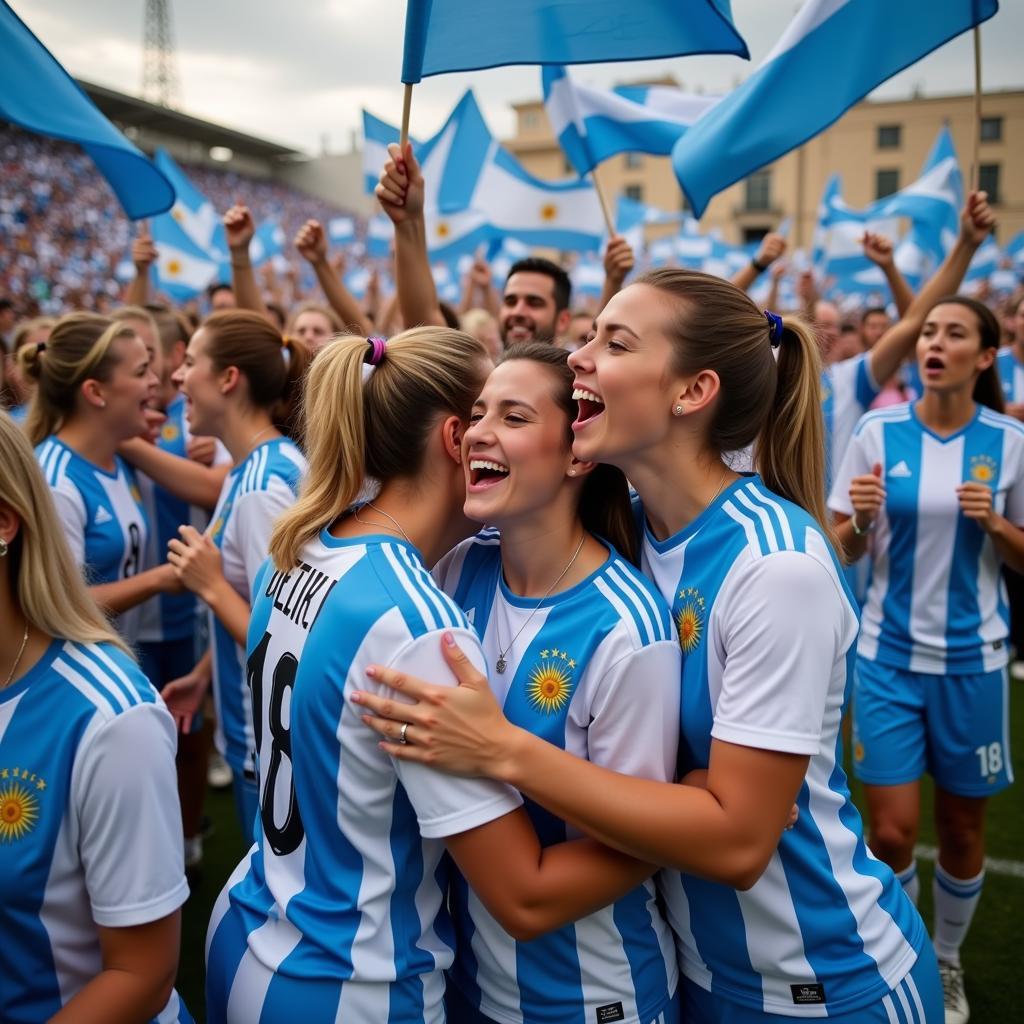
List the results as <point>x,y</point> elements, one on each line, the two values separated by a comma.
<point>975,155</point>
<point>406,110</point>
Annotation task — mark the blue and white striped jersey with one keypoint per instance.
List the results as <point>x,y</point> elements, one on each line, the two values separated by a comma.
<point>90,830</point>
<point>767,630</point>
<point>338,912</point>
<point>254,494</point>
<point>937,602</point>
<point>171,616</point>
<point>1011,374</point>
<point>103,518</point>
<point>847,391</point>
<point>594,671</point>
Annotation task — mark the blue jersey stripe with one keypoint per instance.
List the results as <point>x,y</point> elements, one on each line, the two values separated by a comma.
<point>420,578</point>
<point>103,673</point>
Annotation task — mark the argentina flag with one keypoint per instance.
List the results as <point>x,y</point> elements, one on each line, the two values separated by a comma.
<point>833,53</point>
<point>594,124</point>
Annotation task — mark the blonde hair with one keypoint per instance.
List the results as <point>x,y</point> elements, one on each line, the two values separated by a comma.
<point>128,314</point>
<point>79,349</point>
<point>39,556</point>
<point>772,404</point>
<point>377,427</point>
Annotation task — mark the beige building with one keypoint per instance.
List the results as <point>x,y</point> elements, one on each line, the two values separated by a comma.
<point>877,147</point>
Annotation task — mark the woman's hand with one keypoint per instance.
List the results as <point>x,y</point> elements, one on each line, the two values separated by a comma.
<point>976,504</point>
<point>460,730</point>
<point>184,697</point>
<point>202,449</point>
<point>867,495</point>
<point>196,561</point>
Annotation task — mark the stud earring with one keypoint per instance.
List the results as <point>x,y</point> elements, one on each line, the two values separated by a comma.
<point>572,472</point>
<point>678,410</point>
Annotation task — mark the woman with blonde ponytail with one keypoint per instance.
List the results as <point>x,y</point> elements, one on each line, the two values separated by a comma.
<point>94,386</point>
<point>91,873</point>
<point>341,906</point>
<point>680,369</point>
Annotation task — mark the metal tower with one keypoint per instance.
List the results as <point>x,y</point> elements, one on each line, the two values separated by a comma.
<point>159,68</point>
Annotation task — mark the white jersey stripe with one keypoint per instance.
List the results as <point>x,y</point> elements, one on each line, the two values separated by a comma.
<point>787,534</point>
<point>411,590</point>
<point>616,602</point>
<point>904,1003</point>
<point>123,694</point>
<point>103,698</point>
<point>763,518</point>
<point>626,591</point>
<point>916,997</point>
<point>421,579</point>
<point>748,527</point>
<point>890,1010</point>
<point>100,655</point>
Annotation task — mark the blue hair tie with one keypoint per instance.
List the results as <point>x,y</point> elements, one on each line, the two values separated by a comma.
<point>775,328</point>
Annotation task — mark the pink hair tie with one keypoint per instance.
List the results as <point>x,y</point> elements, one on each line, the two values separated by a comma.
<point>378,346</point>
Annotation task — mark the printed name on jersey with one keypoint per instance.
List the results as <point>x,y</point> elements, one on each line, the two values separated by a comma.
<point>690,619</point>
<point>102,516</point>
<point>806,994</point>
<point>901,471</point>
<point>19,802</point>
<point>984,469</point>
<point>305,596</point>
<point>551,680</point>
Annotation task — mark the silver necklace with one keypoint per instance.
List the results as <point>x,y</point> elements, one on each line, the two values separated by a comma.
<point>501,664</point>
<point>17,660</point>
<point>258,434</point>
<point>381,512</point>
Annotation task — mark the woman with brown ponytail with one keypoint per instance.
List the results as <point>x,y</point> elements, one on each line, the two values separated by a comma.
<point>770,924</point>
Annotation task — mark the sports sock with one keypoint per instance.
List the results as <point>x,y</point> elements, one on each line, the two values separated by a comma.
<point>955,901</point>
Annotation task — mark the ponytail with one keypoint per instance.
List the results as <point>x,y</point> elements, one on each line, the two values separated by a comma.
<point>375,427</point>
<point>790,449</point>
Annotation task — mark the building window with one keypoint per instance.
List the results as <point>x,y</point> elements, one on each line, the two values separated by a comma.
<point>889,136</point>
<point>635,192</point>
<point>751,235</point>
<point>634,161</point>
<point>759,191</point>
<point>988,181</point>
<point>991,129</point>
<point>887,181</point>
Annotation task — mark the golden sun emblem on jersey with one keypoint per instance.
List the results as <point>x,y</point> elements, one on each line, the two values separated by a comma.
<point>550,681</point>
<point>19,811</point>
<point>983,469</point>
<point>169,432</point>
<point>690,619</point>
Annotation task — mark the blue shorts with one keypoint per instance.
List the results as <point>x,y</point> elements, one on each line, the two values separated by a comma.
<point>955,727</point>
<point>917,999</point>
<point>460,1010</point>
<point>163,661</point>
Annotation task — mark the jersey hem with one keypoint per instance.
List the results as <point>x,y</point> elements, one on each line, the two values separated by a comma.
<point>766,739</point>
<point>462,821</point>
<point>504,1016</point>
<point>875,993</point>
<point>142,913</point>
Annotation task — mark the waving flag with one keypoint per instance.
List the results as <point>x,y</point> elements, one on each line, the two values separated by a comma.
<point>182,269</point>
<point>192,211</point>
<point>40,96</point>
<point>467,35</point>
<point>833,53</point>
<point>342,230</point>
<point>594,124</point>
<point>267,242</point>
<point>377,136</point>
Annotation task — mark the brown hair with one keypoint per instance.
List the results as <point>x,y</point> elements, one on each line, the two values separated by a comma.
<point>173,325</point>
<point>337,327</point>
<point>773,404</point>
<point>79,349</point>
<point>988,389</point>
<point>274,368</point>
<point>374,427</point>
<point>605,508</point>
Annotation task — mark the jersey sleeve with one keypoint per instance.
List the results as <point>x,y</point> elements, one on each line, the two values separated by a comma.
<point>781,628</point>
<point>866,388</point>
<point>254,517</point>
<point>447,571</point>
<point>856,462</point>
<point>634,728</point>
<point>126,799</point>
<point>1014,508</point>
<point>73,518</point>
<point>446,805</point>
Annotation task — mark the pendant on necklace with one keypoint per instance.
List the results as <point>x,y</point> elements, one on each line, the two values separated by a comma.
<point>501,665</point>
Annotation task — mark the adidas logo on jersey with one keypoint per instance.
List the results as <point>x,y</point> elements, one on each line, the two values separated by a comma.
<point>102,516</point>
<point>900,471</point>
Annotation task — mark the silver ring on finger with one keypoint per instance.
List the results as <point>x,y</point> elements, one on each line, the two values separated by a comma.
<point>402,732</point>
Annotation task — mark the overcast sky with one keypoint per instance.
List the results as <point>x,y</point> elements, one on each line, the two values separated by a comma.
<point>297,71</point>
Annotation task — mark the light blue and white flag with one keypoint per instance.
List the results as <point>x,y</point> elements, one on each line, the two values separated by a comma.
<point>632,216</point>
<point>40,96</point>
<point>594,124</point>
<point>377,136</point>
<point>379,235</point>
<point>341,230</point>
<point>267,242</point>
<point>1015,250</point>
<point>588,277</point>
<point>467,35</point>
<point>192,211</point>
<point>831,55</point>
<point>182,270</point>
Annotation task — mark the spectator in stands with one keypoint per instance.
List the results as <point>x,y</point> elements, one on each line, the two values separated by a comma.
<point>314,325</point>
<point>8,317</point>
<point>220,296</point>
<point>17,388</point>
<point>481,325</point>
<point>873,324</point>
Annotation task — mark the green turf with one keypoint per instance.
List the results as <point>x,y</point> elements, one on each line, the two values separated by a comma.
<point>993,956</point>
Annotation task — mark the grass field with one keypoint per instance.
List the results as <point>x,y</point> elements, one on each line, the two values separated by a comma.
<point>993,956</point>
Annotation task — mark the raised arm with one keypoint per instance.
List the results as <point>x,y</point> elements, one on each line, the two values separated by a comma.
<point>311,242</point>
<point>401,195</point>
<point>479,282</point>
<point>144,255</point>
<point>240,227</point>
<point>184,478</point>
<point>618,264</point>
<point>879,250</point>
<point>976,223</point>
<point>772,247</point>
